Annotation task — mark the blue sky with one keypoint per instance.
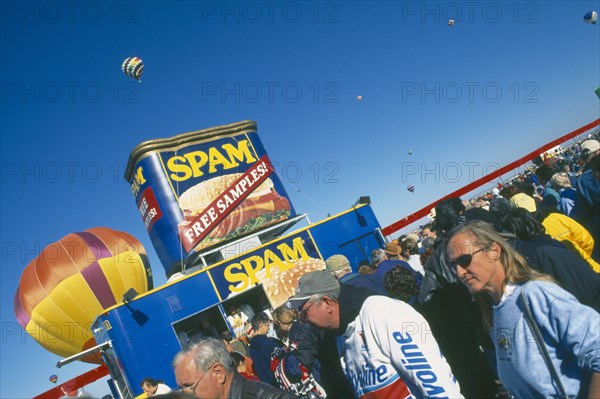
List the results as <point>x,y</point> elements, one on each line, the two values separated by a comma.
<point>507,78</point>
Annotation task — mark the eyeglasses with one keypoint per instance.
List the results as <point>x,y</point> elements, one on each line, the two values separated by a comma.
<point>304,311</point>
<point>465,260</point>
<point>192,388</point>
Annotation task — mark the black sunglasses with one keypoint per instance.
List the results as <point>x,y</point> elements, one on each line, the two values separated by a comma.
<point>464,260</point>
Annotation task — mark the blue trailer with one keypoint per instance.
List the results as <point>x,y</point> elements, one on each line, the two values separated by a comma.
<point>139,337</point>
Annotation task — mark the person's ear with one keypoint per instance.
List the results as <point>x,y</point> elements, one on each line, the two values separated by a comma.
<point>327,301</point>
<point>220,373</point>
<point>495,251</point>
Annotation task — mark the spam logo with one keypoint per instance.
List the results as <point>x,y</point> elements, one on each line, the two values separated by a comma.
<point>195,164</point>
<point>260,268</point>
<point>137,181</point>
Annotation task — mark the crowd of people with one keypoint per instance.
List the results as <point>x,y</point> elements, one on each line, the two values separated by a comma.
<point>497,297</point>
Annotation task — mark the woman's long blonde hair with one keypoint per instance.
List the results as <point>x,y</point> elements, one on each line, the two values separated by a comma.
<point>516,268</point>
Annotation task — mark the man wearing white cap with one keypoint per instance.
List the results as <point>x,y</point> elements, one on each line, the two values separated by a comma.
<point>386,346</point>
<point>589,149</point>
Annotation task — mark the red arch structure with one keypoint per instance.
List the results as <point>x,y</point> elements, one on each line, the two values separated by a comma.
<point>392,228</point>
<point>71,386</point>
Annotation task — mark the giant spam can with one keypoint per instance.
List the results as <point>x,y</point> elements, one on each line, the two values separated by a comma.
<point>198,190</point>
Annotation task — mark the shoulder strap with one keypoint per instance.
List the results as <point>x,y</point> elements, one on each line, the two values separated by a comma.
<point>539,340</point>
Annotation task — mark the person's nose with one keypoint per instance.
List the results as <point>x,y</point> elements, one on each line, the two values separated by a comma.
<point>460,271</point>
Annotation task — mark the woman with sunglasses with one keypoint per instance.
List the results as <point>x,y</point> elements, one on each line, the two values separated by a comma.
<point>505,287</point>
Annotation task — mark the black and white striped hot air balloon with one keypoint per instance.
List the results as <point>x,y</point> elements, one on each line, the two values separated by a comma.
<point>133,67</point>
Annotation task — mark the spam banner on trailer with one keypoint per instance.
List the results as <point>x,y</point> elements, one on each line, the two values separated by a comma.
<point>277,266</point>
<point>201,189</point>
<point>205,222</point>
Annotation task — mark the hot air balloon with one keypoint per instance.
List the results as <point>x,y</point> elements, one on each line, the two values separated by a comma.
<point>450,22</point>
<point>133,67</point>
<point>53,378</point>
<point>598,91</point>
<point>409,152</point>
<point>590,17</point>
<point>359,98</point>
<point>411,188</point>
<point>72,281</point>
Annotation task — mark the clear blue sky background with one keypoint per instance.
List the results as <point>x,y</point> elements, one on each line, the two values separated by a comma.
<point>507,78</point>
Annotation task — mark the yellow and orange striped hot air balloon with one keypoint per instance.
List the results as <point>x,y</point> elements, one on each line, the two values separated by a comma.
<point>72,281</point>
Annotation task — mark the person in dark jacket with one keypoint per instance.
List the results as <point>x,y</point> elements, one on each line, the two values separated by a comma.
<point>454,317</point>
<point>339,265</point>
<point>205,368</point>
<point>261,348</point>
<point>587,211</point>
<point>333,379</point>
<point>303,335</point>
<point>317,350</point>
<point>401,283</point>
<point>387,265</point>
<point>551,257</point>
<point>369,329</point>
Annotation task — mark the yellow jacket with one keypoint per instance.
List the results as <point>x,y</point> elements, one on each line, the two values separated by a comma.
<point>573,235</point>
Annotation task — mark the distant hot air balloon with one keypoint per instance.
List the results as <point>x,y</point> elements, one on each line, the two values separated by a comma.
<point>411,188</point>
<point>598,91</point>
<point>450,22</point>
<point>133,67</point>
<point>359,98</point>
<point>53,378</point>
<point>409,152</point>
<point>590,17</point>
<point>72,281</point>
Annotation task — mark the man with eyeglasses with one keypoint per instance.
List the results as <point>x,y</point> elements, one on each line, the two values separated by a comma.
<point>205,369</point>
<point>386,347</point>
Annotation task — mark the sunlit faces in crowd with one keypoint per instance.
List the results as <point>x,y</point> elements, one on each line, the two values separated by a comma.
<point>148,390</point>
<point>426,232</point>
<point>476,265</point>
<point>205,385</point>
<point>323,312</point>
<point>212,382</point>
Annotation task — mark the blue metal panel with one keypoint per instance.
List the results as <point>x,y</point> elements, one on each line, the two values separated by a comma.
<point>352,234</point>
<point>142,334</point>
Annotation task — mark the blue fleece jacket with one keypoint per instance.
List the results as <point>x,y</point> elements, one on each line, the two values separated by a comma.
<point>261,348</point>
<point>571,332</point>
